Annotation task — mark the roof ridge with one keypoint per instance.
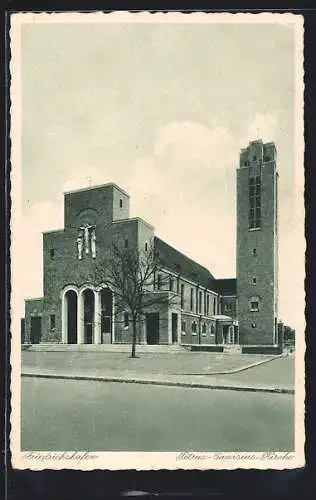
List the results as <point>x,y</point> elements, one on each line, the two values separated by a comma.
<point>188,258</point>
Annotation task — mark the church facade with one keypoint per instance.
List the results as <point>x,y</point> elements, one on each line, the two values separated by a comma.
<point>204,310</point>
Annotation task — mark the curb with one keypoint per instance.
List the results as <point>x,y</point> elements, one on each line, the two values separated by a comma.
<point>195,385</point>
<point>245,367</point>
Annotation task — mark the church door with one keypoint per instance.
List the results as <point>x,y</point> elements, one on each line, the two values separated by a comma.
<point>152,328</point>
<point>174,325</point>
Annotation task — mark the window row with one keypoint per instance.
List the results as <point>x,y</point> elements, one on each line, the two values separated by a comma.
<point>266,158</point>
<point>205,328</point>
<point>255,202</point>
<point>145,246</point>
<point>199,300</point>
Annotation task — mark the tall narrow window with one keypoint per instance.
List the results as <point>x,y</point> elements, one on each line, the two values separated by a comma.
<point>159,278</point>
<point>146,246</point>
<point>121,203</point>
<point>200,302</point>
<point>52,318</point>
<point>52,253</point>
<point>207,304</point>
<point>126,243</point>
<point>254,251</point>
<point>214,306</point>
<point>178,284</point>
<point>191,299</point>
<point>126,320</point>
<point>254,281</point>
<point>182,295</point>
<point>171,283</point>
<point>254,202</point>
<point>193,327</point>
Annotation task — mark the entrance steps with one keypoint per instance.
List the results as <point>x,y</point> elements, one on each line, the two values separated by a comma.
<point>105,348</point>
<point>232,349</point>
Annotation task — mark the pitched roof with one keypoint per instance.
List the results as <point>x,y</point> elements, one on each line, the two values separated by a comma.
<point>227,286</point>
<point>181,264</point>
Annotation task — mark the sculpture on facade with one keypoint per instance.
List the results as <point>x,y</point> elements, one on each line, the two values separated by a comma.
<point>80,245</point>
<point>93,243</point>
<point>86,240</point>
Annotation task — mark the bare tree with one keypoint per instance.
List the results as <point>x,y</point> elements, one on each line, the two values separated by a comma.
<point>137,280</point>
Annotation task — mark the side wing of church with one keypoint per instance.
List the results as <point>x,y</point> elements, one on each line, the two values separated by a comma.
<point>206,310</point>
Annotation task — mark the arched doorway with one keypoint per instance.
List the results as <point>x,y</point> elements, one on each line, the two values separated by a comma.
<point>106,315</point>
<point>71,316</point>
<point>88,315</point>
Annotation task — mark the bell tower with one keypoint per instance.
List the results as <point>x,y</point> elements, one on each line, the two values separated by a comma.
<point>257,244</point>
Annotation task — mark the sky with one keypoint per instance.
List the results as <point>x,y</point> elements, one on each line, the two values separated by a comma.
<point>162,110</point>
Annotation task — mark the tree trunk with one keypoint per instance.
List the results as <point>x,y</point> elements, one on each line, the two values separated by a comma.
<point>134,338</point>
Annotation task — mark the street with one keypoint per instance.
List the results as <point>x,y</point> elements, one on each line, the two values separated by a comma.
<point>98,416</point>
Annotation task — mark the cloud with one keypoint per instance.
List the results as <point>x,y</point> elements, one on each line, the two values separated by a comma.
<point>186,189</point>
<point>194,141</point>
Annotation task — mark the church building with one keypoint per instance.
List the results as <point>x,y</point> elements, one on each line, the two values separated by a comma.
<point>205,310</point>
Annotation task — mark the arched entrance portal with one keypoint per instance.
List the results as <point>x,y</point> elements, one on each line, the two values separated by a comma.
<point>88,308</point>
<point>71,316</point>
<point>106,315</point>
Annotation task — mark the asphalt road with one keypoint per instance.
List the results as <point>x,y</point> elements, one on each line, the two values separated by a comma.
<point>74,415</point>
<point>277,372</point>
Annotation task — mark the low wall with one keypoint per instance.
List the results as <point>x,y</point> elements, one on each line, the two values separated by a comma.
<point>205,348</point>
<point>261,349</point>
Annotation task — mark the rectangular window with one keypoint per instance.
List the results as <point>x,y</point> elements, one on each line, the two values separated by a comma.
<point>126,243</point>
<point>52,319</point>
<point>254,305</point>
<point>52,253</point>
<point>182,296</point>
<point>254,251</point>
<point>126,320</point>
<point>214,306</point>
<point>178,284</point>
<point>200,302</point>
<point>121,203</point>
<point>183,326</point>
<point>207,305</point>
<point>171,284</point>
<point>254,202</point>
<point>191,299</point>
<point>159,277</point>
<point>228,307</point>
<point>254,281</point>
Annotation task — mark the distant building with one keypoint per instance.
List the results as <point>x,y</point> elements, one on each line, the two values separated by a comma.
<point>206,310</point>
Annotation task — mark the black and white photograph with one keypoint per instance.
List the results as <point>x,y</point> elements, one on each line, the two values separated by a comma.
<point>157,241</point>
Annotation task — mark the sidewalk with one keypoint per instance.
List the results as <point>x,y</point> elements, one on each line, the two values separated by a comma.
<point>190,381</point>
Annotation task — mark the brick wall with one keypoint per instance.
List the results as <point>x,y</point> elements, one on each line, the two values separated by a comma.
<point>256,251</point>
<point>33,307</point>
